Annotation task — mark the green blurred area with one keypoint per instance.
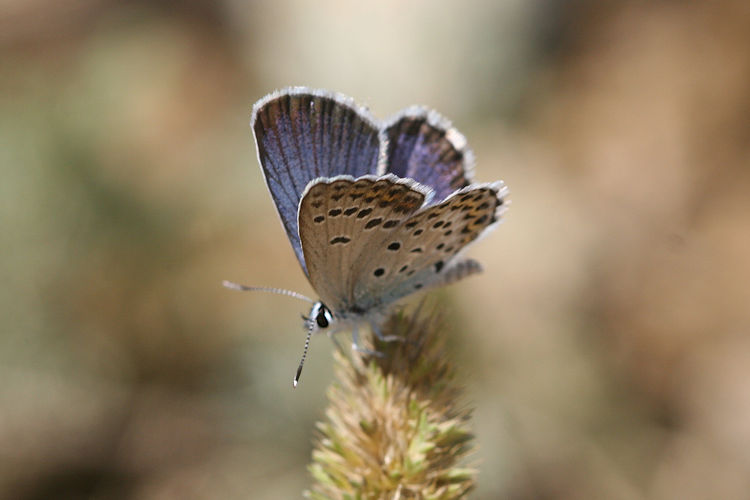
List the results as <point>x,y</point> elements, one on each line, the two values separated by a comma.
<point>605,347</point>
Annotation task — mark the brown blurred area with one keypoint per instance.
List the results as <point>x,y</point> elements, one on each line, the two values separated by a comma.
<point>606,347</point>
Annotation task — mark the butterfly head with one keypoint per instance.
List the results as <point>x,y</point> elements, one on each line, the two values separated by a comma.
<point>320,319</point>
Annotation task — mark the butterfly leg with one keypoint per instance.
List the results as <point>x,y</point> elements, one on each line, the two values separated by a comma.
<point>359,348</point>
<point>384,338</point>
<point>335,342</point>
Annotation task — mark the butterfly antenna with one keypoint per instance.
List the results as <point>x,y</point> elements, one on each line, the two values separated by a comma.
<point>279,291</point>
<point>304,355</point>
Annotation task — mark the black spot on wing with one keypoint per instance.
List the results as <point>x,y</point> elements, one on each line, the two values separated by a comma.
<point>373,223</point>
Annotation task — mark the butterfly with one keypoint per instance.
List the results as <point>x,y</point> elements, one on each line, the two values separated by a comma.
<point>374,210</point>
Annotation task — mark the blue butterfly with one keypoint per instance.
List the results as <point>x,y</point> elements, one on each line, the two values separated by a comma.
<point>374,210</point>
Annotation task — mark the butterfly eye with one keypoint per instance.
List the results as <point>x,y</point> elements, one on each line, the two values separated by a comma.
<point>323,319</point>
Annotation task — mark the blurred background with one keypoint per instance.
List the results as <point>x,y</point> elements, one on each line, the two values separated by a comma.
<point>605,348</point>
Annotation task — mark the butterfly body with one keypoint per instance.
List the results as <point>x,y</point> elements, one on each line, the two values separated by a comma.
<point>375,210</point>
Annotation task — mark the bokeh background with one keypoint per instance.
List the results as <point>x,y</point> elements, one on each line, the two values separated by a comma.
<point>605,349</point>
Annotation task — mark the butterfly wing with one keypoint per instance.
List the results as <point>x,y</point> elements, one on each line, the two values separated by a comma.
<point>341,218</point>
<point>422,145</point>
<point>303,134</point>
<point>367,243</point>
<point>422,252</point>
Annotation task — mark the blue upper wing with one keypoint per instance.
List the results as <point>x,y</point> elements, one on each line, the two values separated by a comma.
<point>303,134</point>
<point>423,146</point>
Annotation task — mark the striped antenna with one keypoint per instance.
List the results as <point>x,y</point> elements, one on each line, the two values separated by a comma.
<point>278,291</point>
<point>304,355</point>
